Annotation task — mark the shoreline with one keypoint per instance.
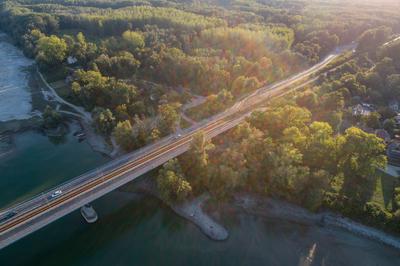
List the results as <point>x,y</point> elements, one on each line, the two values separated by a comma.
<point>191,210</point>
<point>201,213</point>
<point>277,209</point>
<point>96,141</point>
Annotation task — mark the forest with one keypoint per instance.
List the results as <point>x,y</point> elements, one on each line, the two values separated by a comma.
<point>309,148</point>
<point>134,64</point>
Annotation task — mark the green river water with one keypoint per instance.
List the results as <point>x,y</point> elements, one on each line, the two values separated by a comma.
<point>136,230</point>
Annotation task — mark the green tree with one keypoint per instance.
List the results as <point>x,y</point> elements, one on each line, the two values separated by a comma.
<point>275,121</point>
<point>372,38</point>
<point>104,120</point>
<point>333,101</point>
<point>30,41</point>
<point>51,118</point>
<point>360,154</point>
<point>134,39</point>
<point>194,162</point>
<point>393,82</point>
<point>320,151</point>
<point>389,125</point>
<point>121,93</point>
<point>154,135</point>
<point>90,87</point>
<point>373,120</point>
<point>169,117</point>
<point>314,188</point>
<point>124,135</point>
<point>223,180</point>
<point>171,183</point>
<point>286,174</point>
<point>123,66</point>
<point>307,99</point>
<point>51,50</point>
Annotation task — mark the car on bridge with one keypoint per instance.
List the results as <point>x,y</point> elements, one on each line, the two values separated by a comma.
<point>55,194</point>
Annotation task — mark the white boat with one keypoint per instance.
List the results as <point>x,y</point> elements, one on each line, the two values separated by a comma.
<point>89,213</point>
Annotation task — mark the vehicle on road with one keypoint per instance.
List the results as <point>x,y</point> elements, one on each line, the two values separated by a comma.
<point>178,136</point>
<point>8,215</point>
<point>55,194</point>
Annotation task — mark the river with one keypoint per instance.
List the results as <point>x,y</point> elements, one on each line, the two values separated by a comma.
<point>136,230</point>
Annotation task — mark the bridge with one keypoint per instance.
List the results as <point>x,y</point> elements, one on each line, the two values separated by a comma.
<point>29,216</point>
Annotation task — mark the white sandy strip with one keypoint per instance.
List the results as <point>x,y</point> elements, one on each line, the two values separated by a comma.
<point>192,211</point>
<point>15,97</point>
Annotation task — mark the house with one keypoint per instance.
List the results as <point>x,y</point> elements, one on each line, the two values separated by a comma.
<point>363,109</point>
<point>383,134</point>
<point>394,105</point>
<point>71,60</point>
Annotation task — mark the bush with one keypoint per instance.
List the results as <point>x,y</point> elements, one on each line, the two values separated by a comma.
<point>375,214</point>
<point>396,198</point>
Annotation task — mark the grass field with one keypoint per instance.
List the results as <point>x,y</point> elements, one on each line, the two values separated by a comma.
<point>383,194</point>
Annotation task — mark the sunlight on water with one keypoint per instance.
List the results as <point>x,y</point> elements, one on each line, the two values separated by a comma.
<point>307,261</point>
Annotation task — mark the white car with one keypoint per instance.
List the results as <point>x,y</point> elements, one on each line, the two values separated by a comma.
<point>55,194</point>
<point>178,136</point>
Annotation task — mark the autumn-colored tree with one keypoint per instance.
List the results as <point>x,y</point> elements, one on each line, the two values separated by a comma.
<point>360,155</point>
<point>171,183</point>
<point>51,50</point>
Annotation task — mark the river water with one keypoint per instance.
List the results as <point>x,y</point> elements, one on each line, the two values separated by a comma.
<point>142,231</point>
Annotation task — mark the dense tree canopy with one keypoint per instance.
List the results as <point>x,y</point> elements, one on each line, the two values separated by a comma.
<point>51,50</point>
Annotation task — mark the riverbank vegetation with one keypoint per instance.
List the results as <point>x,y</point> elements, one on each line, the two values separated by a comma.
<point>315,149</point>
<point>127,61</point>
<point>134,63</point>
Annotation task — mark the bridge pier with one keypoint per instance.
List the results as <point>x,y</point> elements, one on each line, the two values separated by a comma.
<point>89,214</point>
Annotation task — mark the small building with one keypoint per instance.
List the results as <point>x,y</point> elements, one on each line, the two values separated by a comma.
<point>394,105</point>
<point>397,119</point>
<point>362,109</point>
<point>71,60</point>
<point>383,134</point>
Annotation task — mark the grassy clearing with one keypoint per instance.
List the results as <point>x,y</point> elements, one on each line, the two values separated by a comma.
<point>184,124</point>
<point>61,88</point>
<point>383,194</point>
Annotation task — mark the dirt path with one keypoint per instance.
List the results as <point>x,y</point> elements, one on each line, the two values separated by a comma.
<point>80,110</point>
<point>96,141</point>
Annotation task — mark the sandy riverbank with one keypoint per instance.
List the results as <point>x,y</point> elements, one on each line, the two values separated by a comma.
<point>191,210</point>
